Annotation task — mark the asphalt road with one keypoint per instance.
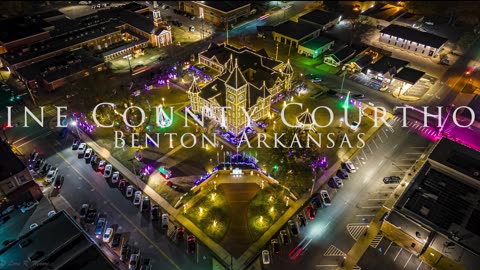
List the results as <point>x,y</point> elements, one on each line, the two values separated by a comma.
<point>83,185</point>
<point>336,228</point>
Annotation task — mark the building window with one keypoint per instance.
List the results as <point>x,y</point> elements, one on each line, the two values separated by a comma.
<point>409,47</point>
<point>22,179</point>
<point>423,51</point>
<point>10,185</point>
<point>416,49</point>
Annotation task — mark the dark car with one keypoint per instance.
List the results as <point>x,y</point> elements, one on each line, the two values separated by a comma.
<point>58,182</point>
<point>91,215</point>
<point>125,252</point>
<point>302,220</point>
<point>145,264</point>
<point>122,184</point>
<point>275,246</point>
<point>155,212</point>
<point>75,144</point>
<point>358,96</point>
<point>342,174</point>
<point>38,164</point>
<point>391,179</point>
<point>284,237</point>
<point>316,203</point>
<point>293,227</point>
<point>84,210</point>
<point>116,240</point>
<point>45,168</point>
<point>145,207</point>
<point>191,244</point>
<point>180,233</point>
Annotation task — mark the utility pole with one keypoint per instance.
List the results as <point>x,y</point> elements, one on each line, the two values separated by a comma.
<point>226,25</point>
<point>289,48</point>
<point>343,80</point>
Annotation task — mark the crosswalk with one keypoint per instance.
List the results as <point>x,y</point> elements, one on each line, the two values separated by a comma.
<point>413,124</point>
<point>356,230</point>
<point>333,251</point>
<point>378,238</point>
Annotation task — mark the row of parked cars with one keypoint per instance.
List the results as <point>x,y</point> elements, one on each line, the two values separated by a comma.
<point>38,165</point>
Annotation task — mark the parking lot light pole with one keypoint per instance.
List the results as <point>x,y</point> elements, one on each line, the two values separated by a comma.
<point>366,231</point>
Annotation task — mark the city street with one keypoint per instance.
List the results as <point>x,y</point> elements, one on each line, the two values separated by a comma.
<point>337,227</point>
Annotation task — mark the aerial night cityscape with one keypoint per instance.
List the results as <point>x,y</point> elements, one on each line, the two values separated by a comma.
<point>240,135</point>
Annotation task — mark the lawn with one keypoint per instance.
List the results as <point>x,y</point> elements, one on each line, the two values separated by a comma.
<point>210,213</point>
<point>265,208</point>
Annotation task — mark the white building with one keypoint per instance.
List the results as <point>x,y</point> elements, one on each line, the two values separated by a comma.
<point>413,40</point>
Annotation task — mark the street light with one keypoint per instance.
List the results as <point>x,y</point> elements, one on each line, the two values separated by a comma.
<point>366,231</point>
<point>128,57</point>
<point>163,101</point>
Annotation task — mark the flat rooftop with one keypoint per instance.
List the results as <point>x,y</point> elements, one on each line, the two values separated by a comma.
<point>319,17</point>
<point>60,66</point>
<point>414,35</point>
<point>10,164</point>
<point>295,30</point>
<point>21,27</point>
<point>316,43</point>
<point>386,63</point>
<point>409,75</point>
<point>225,6</point>
<point>384,12</point>
<point>444,197</point>
<point>62,245</point>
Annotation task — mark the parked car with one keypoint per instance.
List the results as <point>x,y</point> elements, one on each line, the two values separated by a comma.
<point>33,226</point>
<point>101,223</point>
<point>129,191</point>
<point>75,144</point>
<point>107,173</point>
<point>81,150</point>
<point>191,244</point>
<point>58,182</point>
<point>116,240</point>
<point>134,260</point>
<point>137,197</point>
<point>84,210</point>
<point>391,179</point>
<point>155,212</point>
<point>354,126</point>
<point>52,173</point>
<point>302,220</point>
<point>91,215</point>
<point>342,174</point>
<point>145,207</point>
<point>145,264</point>
<point>107,236</point>
<point>266,257</point>
<point>275,246</point>
<point>125,252</point>
<point>315,203</point>
<point>115,177</point>
<point>45,169</point>
<point>284,237</point>
<point>325,198</point>
<point>28,206</point>
<point>180,233</point>
<point>310,212</point>
<point>101,165</point>
<point>164,221</point>
<point>88,154</point>
<point>358,96</point>
<point>93,159</point>
<point>337,182</point>
<point>292,225</point>
<point>122,184</point>
<point>349,166</point>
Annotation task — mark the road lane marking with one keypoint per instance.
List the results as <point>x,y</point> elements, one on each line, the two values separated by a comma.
<point>333,251</point>
<point>370,148</point>
<point>378,238</point>
<point>395,146</point>
<point>398,254</point>
<point>419,265</point>
<point>381,162</point>
<point>378,135</point>
<point>385,133</point>
<point>364,154</point>
<point>377,199</point>
<point>408,260</point>
<point>386,250</point>
<point>39,136</point>
<point>367,215</point>
<point>120,212</point>
<point>373,140</point>
<point>370,207</point>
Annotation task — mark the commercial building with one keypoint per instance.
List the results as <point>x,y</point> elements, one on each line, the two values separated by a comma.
<point>412,40</point>
<point>385,68</point>
<point>316,46</point>
<point>406,78</point>
<point>217,12</point>
<point>322,19</point>
<point>54,72</point>
<point>359,62</point>
<point>249,81</point>
<point>339,57</point>
<point>381,15</point>
<point>99,32</point>
<point>292,33</point>
<point>57,243</point>
<point>22,31</point>
<point>438,216</point>
<point>16,182</point>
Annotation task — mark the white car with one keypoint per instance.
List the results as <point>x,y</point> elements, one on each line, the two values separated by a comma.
<point>107,236</point>
<point>325,198</point>
<point>33,226</point>
<point>350,167</point>
<point>115,177</point>
<point>354,126</point>
<point>137,197</point>
<point>108,171</point>
<point>165,221</point>
<point>27,206</point>
<point>134,261</point>
<point>337,182</point>
<point>81,149</point>
<point>266,257</point>
<point>51,213</point>
<point>52,173</point>
<point>129,191</point>
<point>88,153</point>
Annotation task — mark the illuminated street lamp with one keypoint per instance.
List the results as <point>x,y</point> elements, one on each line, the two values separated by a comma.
<point>75,124</point>
<point>168,84</point>
<point>366,231</point>
<point>163,101</point>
